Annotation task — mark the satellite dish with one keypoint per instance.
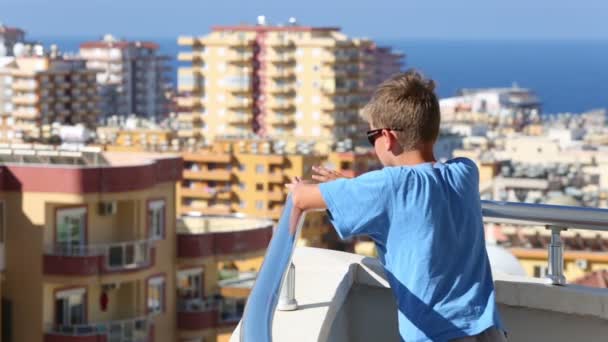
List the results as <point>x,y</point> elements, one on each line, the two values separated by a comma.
<point>2,50</point>
<point>18,49</point>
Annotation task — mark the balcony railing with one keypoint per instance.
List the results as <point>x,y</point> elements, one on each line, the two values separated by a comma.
<point>132,330</point>
<point>102,258</point>
<point>276,279</point>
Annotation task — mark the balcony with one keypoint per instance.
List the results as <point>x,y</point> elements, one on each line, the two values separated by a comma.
<point>240,119</point>
<point>238,103</point>
<point>132,330</point>
<point>188,117</point>
<point>336,290</point>
<point>329,105</point>
<point>197,314</point>
<point>276,196</point>
<point>207,157</point>
<point>276,177</point>
<point>26,114</point>
<point>216,209</point>
<point>188,133</point>
<point>281,88</point>
<point>205,193</point>
<point>209,175</point>
<point>281,73</point>
<point>188,101</point>
<point>186,41</point>
<point>239,88</point>
<point>281,120</point>
<point>24,85</point>
<point>281,105</point>
<point>88,260</point>
<point>185,56</point>
<point>29,99</point>
<point>281,58</point>
<point>239,57</point>
<point>331,121</point>
<point>199,237</point>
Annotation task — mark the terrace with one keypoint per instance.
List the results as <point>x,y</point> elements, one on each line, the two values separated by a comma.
<point>335,296</point>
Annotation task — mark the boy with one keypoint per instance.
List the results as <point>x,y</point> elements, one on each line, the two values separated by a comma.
<point>424,216</point>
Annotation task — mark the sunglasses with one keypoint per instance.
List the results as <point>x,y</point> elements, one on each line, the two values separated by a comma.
<point>376,133</point>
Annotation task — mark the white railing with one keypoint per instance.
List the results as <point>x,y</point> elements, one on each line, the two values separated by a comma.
<point>128,330</point>
<point>275,285</point>
<point>117,256</point>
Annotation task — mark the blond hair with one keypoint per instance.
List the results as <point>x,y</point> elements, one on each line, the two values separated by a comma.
<point>407,102</point>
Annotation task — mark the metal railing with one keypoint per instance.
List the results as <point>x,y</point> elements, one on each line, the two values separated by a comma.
<point>128,330</point>
<point>256,324</point>
<point>197,304</point>
<point>118,255</point>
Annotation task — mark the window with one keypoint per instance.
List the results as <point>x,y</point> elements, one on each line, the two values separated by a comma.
<point>70,307</point>
<point>242,168</point>
<point>259,168</point>
<point>70,225</point>
<point>190,283</point>
<point>259,187</point>
<point>156,219</point>
<point>259,205</point>
<point>242,186</point>
<point>156,294</point>
<point>540,271</point>
<point>243,204</point>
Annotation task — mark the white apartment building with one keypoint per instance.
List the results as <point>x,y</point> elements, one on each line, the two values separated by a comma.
<point>132,78</point>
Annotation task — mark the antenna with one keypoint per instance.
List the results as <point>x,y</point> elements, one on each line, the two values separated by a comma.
<point>261,20</point>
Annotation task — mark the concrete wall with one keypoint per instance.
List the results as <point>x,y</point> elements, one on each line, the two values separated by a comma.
<point>542,325</point>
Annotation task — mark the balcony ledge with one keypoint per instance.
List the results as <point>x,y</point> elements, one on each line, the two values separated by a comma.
<point>326,281</point>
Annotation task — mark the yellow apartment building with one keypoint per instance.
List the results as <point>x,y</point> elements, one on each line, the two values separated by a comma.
<point>218,257</point>
<point>278,81</point>
<point>39,92</point>
<point>92,245</point>
<point>249,177</point>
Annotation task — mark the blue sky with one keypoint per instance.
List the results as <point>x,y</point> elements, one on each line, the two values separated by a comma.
<point>382,19</point>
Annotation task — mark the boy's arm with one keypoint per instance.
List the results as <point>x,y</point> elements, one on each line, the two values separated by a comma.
<point>307,197</point>
<point>304,197</point>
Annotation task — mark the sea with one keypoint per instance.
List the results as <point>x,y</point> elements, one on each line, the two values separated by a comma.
<point>568,76</point>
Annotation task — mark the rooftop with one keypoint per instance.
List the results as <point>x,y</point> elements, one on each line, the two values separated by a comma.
<point>26,167</point>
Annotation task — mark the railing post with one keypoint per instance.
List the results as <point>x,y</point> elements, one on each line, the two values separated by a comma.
<point>556,257</point>
<point>287,298</point>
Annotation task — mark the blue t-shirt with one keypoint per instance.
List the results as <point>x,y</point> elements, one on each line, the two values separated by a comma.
<point>427,225</point>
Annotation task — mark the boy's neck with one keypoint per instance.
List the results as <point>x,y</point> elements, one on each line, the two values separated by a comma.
<point>421,155</point>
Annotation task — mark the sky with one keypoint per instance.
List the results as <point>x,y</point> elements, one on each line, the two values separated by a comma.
<point>379,19</point>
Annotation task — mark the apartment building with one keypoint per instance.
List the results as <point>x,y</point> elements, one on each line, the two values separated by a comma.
<point>132,78</point>
<point>218,259</point>
<point>9,36</point>
<point>249,177</point>
<point>381,62</point>
<point>40,93</point>
<point>273,81</point>
<point>91,241</point>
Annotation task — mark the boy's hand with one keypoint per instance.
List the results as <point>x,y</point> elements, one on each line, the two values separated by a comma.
<point>295,181</point>
<point>323,174</point>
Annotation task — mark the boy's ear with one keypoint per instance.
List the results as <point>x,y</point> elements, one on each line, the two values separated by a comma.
<point>390,141</point>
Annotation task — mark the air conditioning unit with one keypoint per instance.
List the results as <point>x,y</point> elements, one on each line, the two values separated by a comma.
<point>581,263</point>
<point>107,208</point>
